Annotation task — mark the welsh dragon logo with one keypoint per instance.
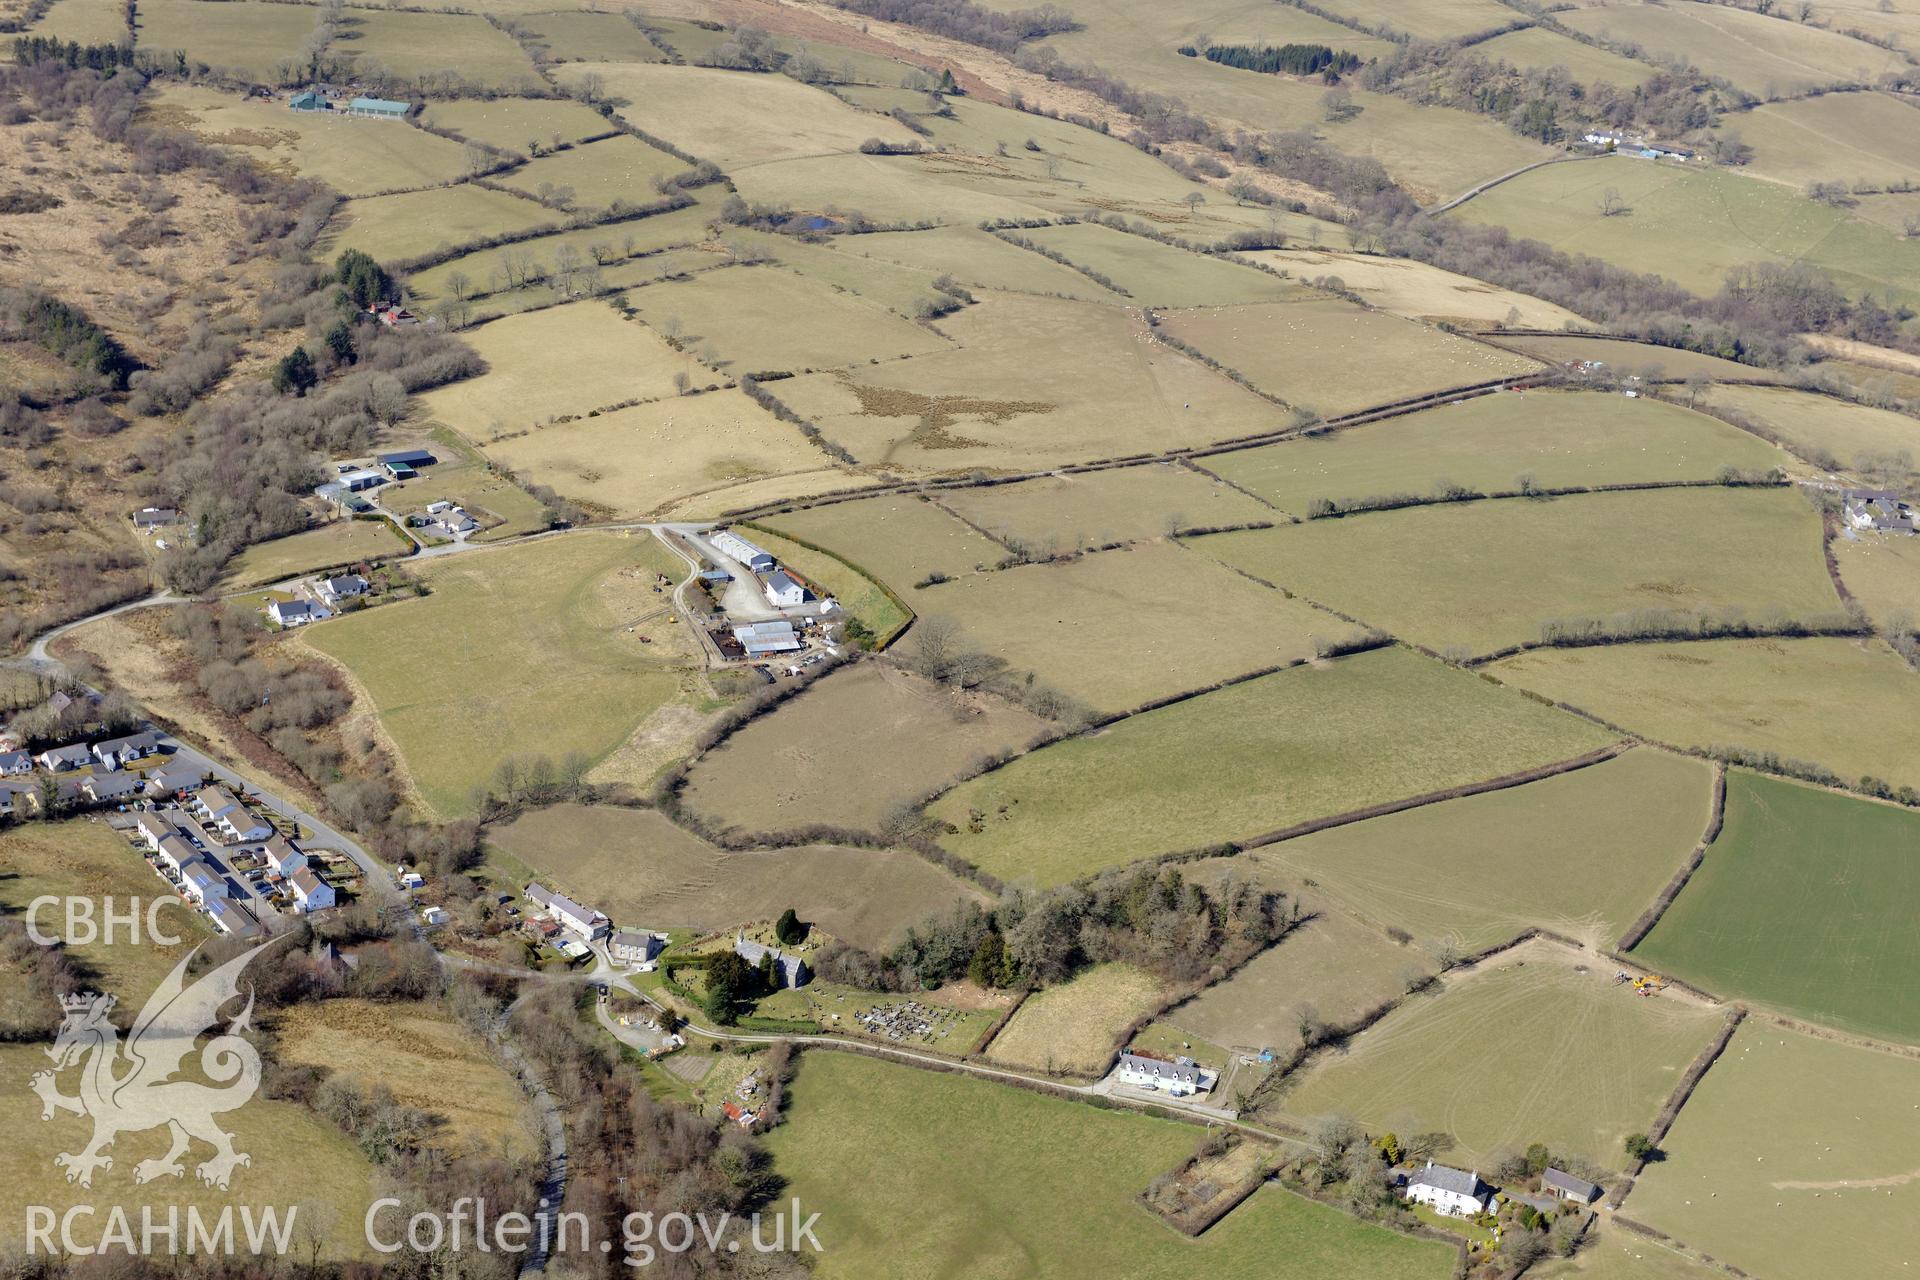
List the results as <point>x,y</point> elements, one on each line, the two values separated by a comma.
<point>128,1088</point>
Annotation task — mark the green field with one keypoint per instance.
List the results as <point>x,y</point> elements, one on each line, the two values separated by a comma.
<point>489,281</point>
<point>1418,290</point>
<point>416,222</point>
<point>1767,56</point>
<point>520,124</point>
<point>1804,903</point>
<point>620,168</point>
<point>1536,48</point>
<point>1883,572</point>
<point>1530,1047</point>
<point>849,749</point>
<point>901,539</point>
<point>1428,20</point>
<point>1639,359</point>
<point>1488,443</point>
<point>84,21</point>
<point>334,543</point>
<point>249,41</point>
<point>551,614</point>
<point>1100,507</point>
<point>591,37</point>
<point>1839,137</point>
<point>1582,854</point>
<point>1614,1253</point>
<point>907,290</point>
<point>976,258</point>
<point>1329,357</point>
<point>999,1182</point>
<point>643,871</point>
<point>1692,224</point>
<point>1824,427</point>
<point>1116,629</point>
<point>1323,739</point>
<point>1159,275</point>
<point>1804,699</point>
<point>562,360</point>
<point>1483,575</point>
<point>445,50</point>
<point>1822,1185</point>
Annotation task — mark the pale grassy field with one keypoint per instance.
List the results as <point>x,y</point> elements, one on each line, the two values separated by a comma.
<point>84,21</point>
<point>1115,629</point>
<point>898,288</point>
<point>419,46</point>
<point>419,1052</point>
<point>1331,357</point>
<point>1332,969</point>
<point>416,222</point>
<point>516,124</point>
<point>620,168</point>
<point>643,871</point>
<point>554,612</point>
<point>1824,427</point>
<point>249,40</point>
<point>1430,20</point>
<point>974,257</point>
<point>1535,48</point>
<point>1487,443</point>
<point>1159,275</point>
<point>1344,734</point>
<point>1098,507</point>
<point>723,116</point>
<point>850,749</point>
<point>1418,290</point>
<point>592,37</point>
<point>1636,358</point>
<point>1835,137</point>
<point>1613,1253</point>
<point>716,451</point>
<point>996,404</point>
<point>1075,1028</point>
<point>485,269</point>
<point>562,360</point>
<point>759,319</point>
<point>336,542</point>
<point>902,539</point>
<point>1583,854</point>
<point>1532,1047</point>
<point>1768,56</point>
<point>1801,698</point>
<point>355,157</point>
<point>1483,575</point>
<point>1823,1187</point>
<point>1883,572</point>
<point>957,190</point>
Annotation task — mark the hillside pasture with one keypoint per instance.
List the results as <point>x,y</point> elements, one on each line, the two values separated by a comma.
<point>1074,1028</point>
<point>1826,428</point>
<point>1480,576</point>
<point>579,36</point>
<point>1694,223</point>
<point>1581,853</point>
<point>975,257</point>
<point>1156,274</point>
<point>1487,443</point>
<point>1766,56</point>
<point>553,612</point>
<point>333,543</point>
<point>710,452</point>
<point>1418,290</point>
<point>1537,49</point>
<point>458,49</point>
<point>764,319</point>
<point>84,21</point>
<point>1883,573</point>
<point>355,157</point>
<point>996,404</point>
<point>736,119</point>
<point>1531,1046</point>
<point>1835,137</point>
<point>928,186</point>
<point>1431,20</point>
<point>642,870</point>
<point>600,174</point>
<point>1802,904</point>
<point>248,41</point>
<point>518,124</point>
<point>562,360</point>
<point>1056,1179</point>
<point>850,749</point>
<point>899,537</point>
<point>1826,1185</point>
<point>1641,359</point>
<point>489,282</point>
<point>1614,1253</point>
<point>413,223</point>
<point>1329,971</point>
<point>1111,630</point>
<point>1342,735</point>
<point>1800,698</point>
<point>1329,357</point>
<point>902,289</point>
<point>1122,504</point>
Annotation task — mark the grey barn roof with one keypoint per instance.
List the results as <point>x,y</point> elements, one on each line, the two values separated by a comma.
<point>1439,1175</point>
<point>1578,1188</point>
<point>1161,1069</point>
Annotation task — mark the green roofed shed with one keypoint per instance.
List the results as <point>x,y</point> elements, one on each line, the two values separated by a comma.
<point>383,108</point>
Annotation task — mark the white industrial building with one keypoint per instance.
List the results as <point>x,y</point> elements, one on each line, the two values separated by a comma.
<point>732,545</point>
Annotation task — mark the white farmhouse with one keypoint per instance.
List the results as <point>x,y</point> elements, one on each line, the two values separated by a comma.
<point>783,591</point>
<point>1458,1193</point>
<point>310,891</point>
<point>1179,1078</point>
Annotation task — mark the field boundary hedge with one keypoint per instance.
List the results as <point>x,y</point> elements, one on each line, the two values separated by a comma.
<point>1682,1091</point>
<point>1716,820</point>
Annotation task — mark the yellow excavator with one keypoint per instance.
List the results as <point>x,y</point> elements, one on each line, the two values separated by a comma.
<point>1651,985</point>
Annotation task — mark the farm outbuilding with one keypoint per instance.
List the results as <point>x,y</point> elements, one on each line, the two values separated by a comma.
<point>379,108</point>
<point>730,544</point>
<point>762,638</point>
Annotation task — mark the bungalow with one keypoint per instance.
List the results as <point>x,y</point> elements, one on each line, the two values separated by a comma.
<point>65,759</point>
<point>759,639</point>
<point>396,317</point>
<point>310,891</point>
<point>732,545</point>
<point>18,798</point>
<point>455,521</point>
<point>13,763</point>
<point>634,946</point>
<point>110,785</point>
<point>378,108</point>
<point>153,828</point>
<point>739,1114</point>
<point>344,587</point>
<point>230,917</point>
<point>175,778</point>
<point>1457,1193</point>
<point>788,971</point>
<point>1179,1078</point>
<point>116,753</point>
<point>1557,1182</point>
<point>782,591</point>
<point>295,613</point>
<point>281,857</point>
<point>147,519</point>
<point>585,921</point>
